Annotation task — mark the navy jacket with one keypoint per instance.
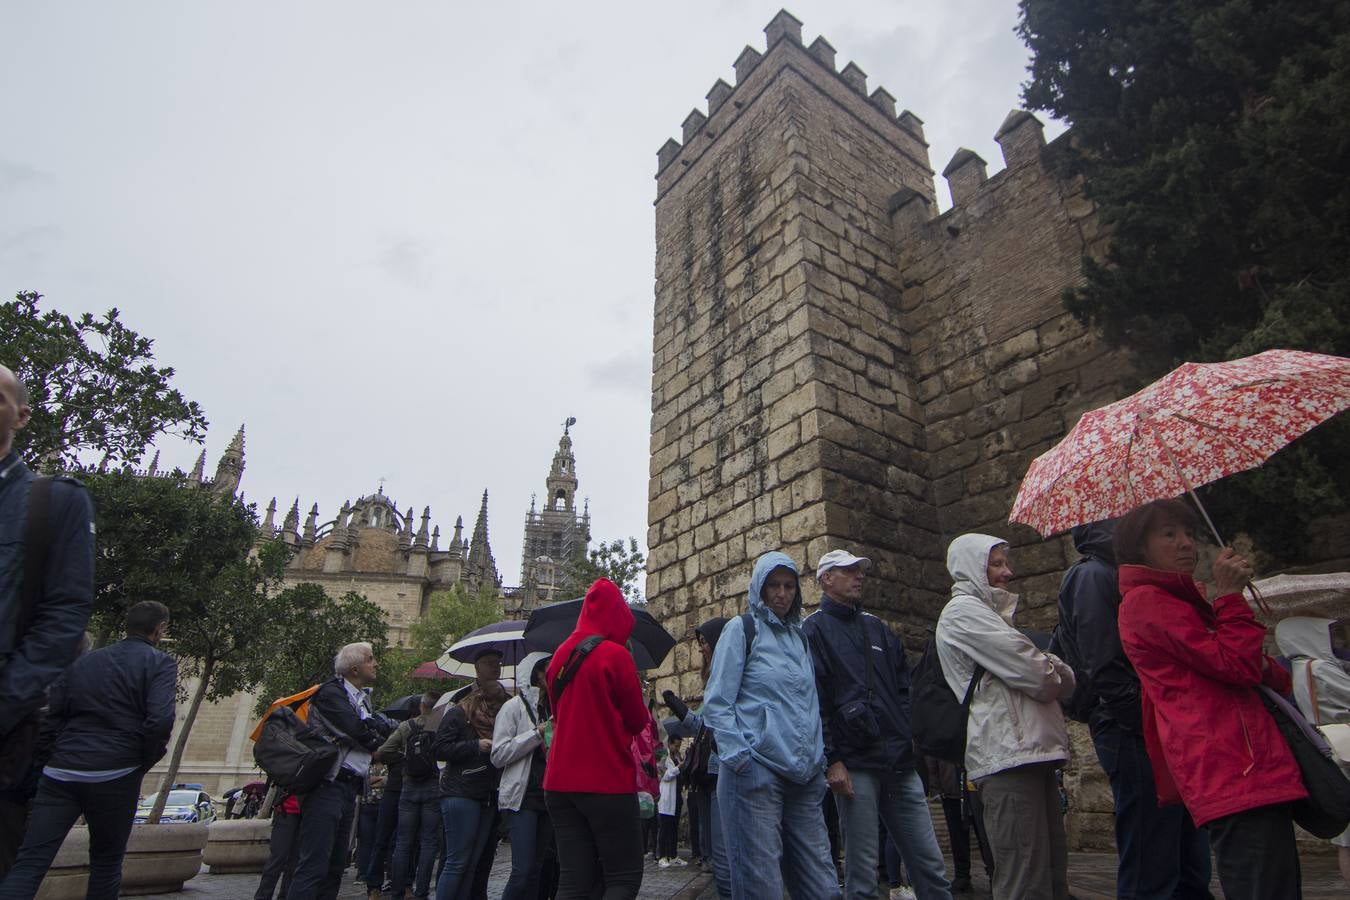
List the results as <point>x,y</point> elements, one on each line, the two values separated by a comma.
<point>116,708</point>
<point>348,728</point>
<point>468,770</point>
<point>1089,602</point>
<point>30,664</point>
<point>835,634</point>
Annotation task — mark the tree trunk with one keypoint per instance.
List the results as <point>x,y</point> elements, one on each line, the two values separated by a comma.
<point>181,744</point>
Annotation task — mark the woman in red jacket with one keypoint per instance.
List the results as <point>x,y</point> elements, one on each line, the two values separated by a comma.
<point>1199,658</point>
<point>591,781</point>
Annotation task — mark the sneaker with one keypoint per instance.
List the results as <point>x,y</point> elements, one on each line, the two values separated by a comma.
<point>903,892</point>
<point>677,861</point>
<point>665,864</point>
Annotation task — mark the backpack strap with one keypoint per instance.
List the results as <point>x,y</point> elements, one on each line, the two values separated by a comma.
<point>1312,695</point>
<point>748,626</point>
<point>36,546</point>
<point>970,690</point>
<point>574,661</point>
<point>525,702</point>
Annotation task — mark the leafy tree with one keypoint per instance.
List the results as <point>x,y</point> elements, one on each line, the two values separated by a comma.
<point>93,385</point>
<point>619,561</point>
<point>159,539</point>
<point>450,615</point>
<point>223,632</point>
<point>309,633</point>
<point>1212,137</point>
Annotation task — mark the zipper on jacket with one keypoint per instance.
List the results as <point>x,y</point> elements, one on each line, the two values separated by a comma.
<point>1251,751</point>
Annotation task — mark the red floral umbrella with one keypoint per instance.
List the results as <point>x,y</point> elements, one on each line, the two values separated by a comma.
<point>1195,425</point>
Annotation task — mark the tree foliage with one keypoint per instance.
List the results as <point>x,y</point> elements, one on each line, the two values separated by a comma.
<point>308,635</point>
<point>451,614</point>
<point>93,385</point>
<point>622,562</point>
<point>1214,138</point>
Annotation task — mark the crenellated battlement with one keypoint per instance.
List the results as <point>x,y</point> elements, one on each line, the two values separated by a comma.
<point>754,70</point>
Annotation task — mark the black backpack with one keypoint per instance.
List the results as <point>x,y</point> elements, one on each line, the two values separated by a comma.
<point>1083,701</point>
<point>294,755</point>
<point>937,717</point>
<point>419,758</point>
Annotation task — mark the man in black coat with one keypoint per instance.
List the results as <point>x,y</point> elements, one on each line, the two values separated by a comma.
<point>863,684</point>
<point>1161,852</point>
<point>113,717</point>
<point>54,570</point>
<point>340,708</point>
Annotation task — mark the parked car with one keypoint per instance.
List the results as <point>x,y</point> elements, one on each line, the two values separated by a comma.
<point>182,806</point>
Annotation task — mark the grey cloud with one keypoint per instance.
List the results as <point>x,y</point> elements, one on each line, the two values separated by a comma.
<point>14,175</point>
<point>629,373</point>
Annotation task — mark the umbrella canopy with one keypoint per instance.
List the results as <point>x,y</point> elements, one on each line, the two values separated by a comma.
<point>506,638</point>
<point>430,670</point>
<point>550,625</point>
<point>404,707</point>
<point>1195,425</point>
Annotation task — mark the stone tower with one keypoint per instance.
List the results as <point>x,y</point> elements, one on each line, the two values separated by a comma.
<point>558,533</point>
<point>480,568</point>
<point>230,469</point>
<point>836,366</point>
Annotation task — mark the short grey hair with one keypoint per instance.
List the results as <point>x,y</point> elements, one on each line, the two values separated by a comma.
<point>351,655</point>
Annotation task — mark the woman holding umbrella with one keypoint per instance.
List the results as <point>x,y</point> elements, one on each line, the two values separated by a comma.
<point>1213,745</point>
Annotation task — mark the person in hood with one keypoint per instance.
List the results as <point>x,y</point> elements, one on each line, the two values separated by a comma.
<point>762,706</point>
<point>863,683</point>
<point>1213,745</point>
<point>589,783</point>
<point>703,775</point>
<point>1016,738</point>
<point>518,750</point>
<point>1321,687</point>
<point>1160,852</point>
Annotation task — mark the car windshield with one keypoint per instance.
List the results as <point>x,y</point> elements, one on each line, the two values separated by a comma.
<point>176,798</point>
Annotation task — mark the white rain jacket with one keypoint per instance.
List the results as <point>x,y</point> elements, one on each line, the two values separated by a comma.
<point>1307,643</point>
<point>670,789</point>
<point>514,739</point>
<point>1015,718</point>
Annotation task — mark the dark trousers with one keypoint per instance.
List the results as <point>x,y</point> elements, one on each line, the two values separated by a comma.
<point>1256,854</point>
<point>326,816</point>
<point>280,855</point>
<point>483,869</point>
<point>382,846</point>
<point>695,807</point>
<point>1161,852</point>
<point>107,806</point>
<point>13,823</point>
<point>599,842</point>
<point>419,834</point>
<point>667,837</point>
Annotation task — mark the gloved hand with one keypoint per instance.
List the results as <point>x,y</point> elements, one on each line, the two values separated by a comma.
<point>675,704</point>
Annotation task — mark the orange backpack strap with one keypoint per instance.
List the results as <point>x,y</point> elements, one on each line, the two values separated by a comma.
<point>299,702</point>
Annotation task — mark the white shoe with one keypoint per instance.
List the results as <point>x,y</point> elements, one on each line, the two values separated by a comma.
<point>676,861</point>
<point>664,863</point>
<point>903,892</point>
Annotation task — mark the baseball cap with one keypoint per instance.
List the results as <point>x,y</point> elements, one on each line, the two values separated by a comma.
<point>840,559</point>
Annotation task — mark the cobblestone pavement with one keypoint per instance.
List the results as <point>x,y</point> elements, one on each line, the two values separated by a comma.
<point>1091,877</point>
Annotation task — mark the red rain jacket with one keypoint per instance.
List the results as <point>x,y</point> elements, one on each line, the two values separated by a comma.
<point>602,708</point>
<point>1213,745</point>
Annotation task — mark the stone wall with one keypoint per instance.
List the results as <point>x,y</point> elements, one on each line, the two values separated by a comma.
<point>836,365</point>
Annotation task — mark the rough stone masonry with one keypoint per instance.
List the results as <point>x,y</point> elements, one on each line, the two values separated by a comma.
<point>836,365</point>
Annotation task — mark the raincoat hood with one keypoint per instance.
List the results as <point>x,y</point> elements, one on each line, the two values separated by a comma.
<point>525,668</point>
<point>1094,539</point>
<point>606,613</point>
<point>712,630</point>
<point>1306,636</point>
<point>763,566</point>
<point>968,564</point>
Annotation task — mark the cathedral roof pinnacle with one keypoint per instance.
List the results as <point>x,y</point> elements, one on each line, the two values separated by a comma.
<point>199,469</point>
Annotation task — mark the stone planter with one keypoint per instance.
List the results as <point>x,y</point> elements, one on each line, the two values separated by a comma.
<point>237,846</point>
<point>159,859</point>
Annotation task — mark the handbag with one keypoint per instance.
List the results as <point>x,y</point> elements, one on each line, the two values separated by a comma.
<point>16,747</point>
<point>1337,735</point>
<point>1325,812</point>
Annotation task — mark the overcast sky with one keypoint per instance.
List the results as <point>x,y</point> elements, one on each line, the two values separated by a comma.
<point>406,240</point>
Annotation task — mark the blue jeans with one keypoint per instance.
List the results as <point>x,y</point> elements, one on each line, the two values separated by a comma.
<point>419,825</point>
<point>774,831</point>
<point>710,838</point>
<point>1161,852</point>
<point>530,833</point>
<point>108,807</point>
<point>897,798</point>
<point>466,832</point>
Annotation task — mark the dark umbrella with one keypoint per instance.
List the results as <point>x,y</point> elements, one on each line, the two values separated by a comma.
<point>550,625</point>
<point>500,637</point>
<point>404,707</point>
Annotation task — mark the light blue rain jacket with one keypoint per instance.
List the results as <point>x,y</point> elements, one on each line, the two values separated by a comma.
<point>765,708</point>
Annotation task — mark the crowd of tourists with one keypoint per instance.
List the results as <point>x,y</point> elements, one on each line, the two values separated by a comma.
<point>803,769</point>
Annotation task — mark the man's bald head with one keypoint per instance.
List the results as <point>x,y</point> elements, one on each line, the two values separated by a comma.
<point>13,407</point>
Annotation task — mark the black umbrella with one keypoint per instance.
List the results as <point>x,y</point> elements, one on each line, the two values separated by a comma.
<point>550,625</point>
<point>404,707</point>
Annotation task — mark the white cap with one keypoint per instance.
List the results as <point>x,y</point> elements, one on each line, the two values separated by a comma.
<point>840,559</point>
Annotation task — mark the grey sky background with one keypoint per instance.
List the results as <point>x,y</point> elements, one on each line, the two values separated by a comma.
<point>406,240</point>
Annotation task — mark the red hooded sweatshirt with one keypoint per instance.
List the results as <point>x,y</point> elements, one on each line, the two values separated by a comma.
<point>602,707</point>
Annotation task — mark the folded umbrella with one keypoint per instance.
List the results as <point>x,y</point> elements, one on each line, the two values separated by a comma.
<point>1199,423</point>
<point>550,625</point>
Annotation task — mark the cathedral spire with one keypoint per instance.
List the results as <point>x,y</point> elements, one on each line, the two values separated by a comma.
<point>424,531</point>
<point>199,470</point>
<point>311,524</point>
<point>481,568</point>
<point>154,465</point>
<point>230,469</point>
<point>555,534</point>
<point>269,524</point>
